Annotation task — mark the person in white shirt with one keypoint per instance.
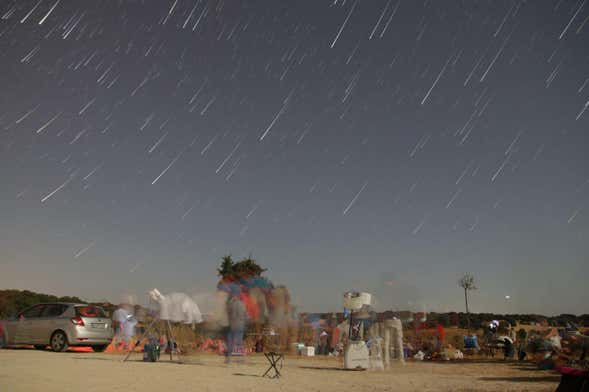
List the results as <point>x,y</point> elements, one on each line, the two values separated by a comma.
<point>124,323</point>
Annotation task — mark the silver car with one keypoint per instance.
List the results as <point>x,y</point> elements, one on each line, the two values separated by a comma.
<point>58,325</point>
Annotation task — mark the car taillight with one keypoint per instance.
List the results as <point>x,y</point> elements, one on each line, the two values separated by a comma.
<point>78,321</point>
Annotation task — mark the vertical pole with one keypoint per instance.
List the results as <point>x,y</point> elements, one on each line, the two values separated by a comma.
<point>380,332</point>
<point>398,341</point>
<point>467,313</point>
<point>172,339</point>
<point>350,329</point>
<point>387,344</point>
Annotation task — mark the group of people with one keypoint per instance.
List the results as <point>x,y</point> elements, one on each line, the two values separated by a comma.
<point>558,347</point>
<point>548,349</point>
<point>173,307</point>
<point>500,336</point>
<point>240,304</point>
<point>252,301</point>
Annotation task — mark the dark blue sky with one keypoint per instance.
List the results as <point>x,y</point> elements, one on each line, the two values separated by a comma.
<point>345,144</point>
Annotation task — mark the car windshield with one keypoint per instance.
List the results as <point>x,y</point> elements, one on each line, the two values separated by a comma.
<point>89,311</point>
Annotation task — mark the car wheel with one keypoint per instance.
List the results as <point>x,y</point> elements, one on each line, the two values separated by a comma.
<point>99,348</point>
<point>40,347</point>
<point>59,341</point>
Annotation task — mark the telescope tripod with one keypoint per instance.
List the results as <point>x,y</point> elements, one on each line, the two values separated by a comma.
<point>151,328</point>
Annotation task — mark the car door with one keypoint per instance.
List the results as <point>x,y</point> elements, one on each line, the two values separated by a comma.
<point>7,329</point>
<point>23,333</point>
<point>47,322</point>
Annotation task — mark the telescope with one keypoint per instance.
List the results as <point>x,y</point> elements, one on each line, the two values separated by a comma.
<point>356,355</point>
<point>355,301</point>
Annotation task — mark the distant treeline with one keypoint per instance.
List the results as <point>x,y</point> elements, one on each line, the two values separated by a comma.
<point>13,301</point>
<point>479,320</point>
<point>458,319</point>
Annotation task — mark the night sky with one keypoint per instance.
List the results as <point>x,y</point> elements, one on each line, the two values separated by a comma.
<point>386,146</point>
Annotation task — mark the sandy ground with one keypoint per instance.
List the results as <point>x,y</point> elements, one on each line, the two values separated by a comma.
<point>31,370</point>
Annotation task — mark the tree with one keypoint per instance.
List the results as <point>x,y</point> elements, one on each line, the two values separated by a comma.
<point>246,268</point>
<point>13,301</point>
<point>468,284</point>
<point>227,267</point>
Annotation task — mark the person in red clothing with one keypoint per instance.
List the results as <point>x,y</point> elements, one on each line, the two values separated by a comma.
<point>237,316</point>
<point>251,307</point>
<point>441,336</point>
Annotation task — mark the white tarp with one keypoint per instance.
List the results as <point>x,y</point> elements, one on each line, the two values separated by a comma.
<point>177,307</point>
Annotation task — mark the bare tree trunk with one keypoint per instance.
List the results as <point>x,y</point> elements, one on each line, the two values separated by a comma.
<point>467,313</point>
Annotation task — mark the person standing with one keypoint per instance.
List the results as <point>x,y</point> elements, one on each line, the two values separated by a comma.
<point>128,330</point>
<point>237,315</point>
<point>119,318</point>
<point>507,348</point>
<point>522,343</point>
<point>323,343</point>
<point>441,336</point>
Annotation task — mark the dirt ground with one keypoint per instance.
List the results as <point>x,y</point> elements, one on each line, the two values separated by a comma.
<point>30,370</point>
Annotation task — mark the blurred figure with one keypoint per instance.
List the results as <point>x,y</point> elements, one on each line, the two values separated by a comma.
<point>260,345</point>
<point>217,315</point>
<point>141,317</point>
<point>124,324</point>
<point>522,343</point>
<point>258,297</point>
<point>279,318</point>
<point>489,339</point>
<point>118,319</point>
<point>236,314</point>
<point>507,348</point>
<point>323,343</point>
<point>441,336</point>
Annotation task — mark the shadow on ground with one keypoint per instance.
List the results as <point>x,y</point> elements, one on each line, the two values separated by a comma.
<point>329,368</point>
<point>134,360</point>
<point>523,379</point>
<point>530,368</point>
<point>474,361</point>
<point>247,375</point>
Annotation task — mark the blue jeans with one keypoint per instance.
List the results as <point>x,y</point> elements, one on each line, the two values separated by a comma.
<point>234,340</point>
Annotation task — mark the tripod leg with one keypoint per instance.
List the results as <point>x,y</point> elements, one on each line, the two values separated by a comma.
<point>174,342</point>
<point>169,338</point>
<point>147,331</point>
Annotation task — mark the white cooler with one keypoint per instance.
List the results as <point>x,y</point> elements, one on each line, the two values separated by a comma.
<point>309,351</point>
